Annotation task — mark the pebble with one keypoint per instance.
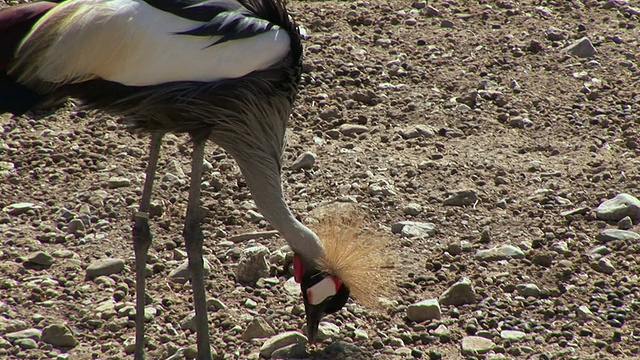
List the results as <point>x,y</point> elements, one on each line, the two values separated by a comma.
<point>459,293</point>
<point>503,252</point>
<point>462,198</point>
<point>625,223</point>
<point>512,335</point>
<point>582,48</point>
<point>253,264</point>
<point>412,209</point>
<point>416,131</point>
<point>616,234</point>
<point>293,351</point>
<point>306,160</point>
<point>603,265</point>
<point>443,332</point>
<point>353,129</point>
<point>620,206</point>
<point>292,287</point>
<point>20,208</point>
<point>280,341</point>
<point>118,182</point>
<point>473,345</point>
<point>26,344</point>
<point>414,229</point>
<point>527,290</point>
<point>24,334</point>
<point>360,334</point>
<point>104,267</point>
<point>584,313</point>
<point>424,310</point>
<point>327,330</point>
<point>40,258</point>
<point>182,274</point>
<point>58,335</point>
<point>258,328</point>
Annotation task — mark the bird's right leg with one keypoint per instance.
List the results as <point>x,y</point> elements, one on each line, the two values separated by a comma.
<point>193,239</point>
<point>142,241</point>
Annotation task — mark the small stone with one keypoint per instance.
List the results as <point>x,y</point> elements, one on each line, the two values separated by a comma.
<point>40,258</point>
<point>527,290</point>
<point>58,335</point>
<point>424,310</point>
<point>462,198</point>
<point>582,48</point>
<point>360,334</point>
<point>280,341</point>
<point>292,287</point>
<point>473,345</point>
<point>24,334</point>
<point>129,345</point>
<point>414,229</point>
<point>327,330</point>
<point>443,332</point>
<point>253,264</point>
<point>104,267</point>
<point>258,328</point>
<point>182,274</point>
<point>189,322</point>
<point>512,335</point>
<point>459,293</point>
<point>118,182</point>
<point>503,252</point>
<point>616,234</point>
<point>215,304</point>
<point>584,313</point>
<point>293,351</point>
<point>412,209</point>
<point>305,161</point>
<point>620,206</point>
<point>20,208</point>
<point>353,129</point>
<point>416,131</point>
<point>555,34</point>
<point>625,223</point>
<point>603,265</point>
<point>26,344</point>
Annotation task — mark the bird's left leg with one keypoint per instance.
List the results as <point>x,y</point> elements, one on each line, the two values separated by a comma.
<point>142,240</point>
<point>193,239</point>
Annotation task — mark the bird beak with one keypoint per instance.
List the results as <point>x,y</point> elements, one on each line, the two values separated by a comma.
<point>314,315</point>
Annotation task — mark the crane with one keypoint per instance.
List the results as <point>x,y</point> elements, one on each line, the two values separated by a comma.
<point>221,70</point>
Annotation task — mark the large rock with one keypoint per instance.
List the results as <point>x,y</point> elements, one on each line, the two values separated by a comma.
<point>459,293</point>
<point>424,310</point>
<point>615,234</point>
<point>414,229</point>
<point>620,206</point>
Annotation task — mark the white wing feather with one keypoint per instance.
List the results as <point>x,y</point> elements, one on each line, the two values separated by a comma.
<point>135,44</point>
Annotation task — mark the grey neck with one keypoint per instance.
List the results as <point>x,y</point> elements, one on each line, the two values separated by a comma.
<point>266,189</point>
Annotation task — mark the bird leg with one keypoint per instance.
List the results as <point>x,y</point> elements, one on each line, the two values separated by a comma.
<point>193,240</point>
<point>142,241</point>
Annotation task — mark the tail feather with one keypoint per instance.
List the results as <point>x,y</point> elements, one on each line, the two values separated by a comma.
<point>15,24</point>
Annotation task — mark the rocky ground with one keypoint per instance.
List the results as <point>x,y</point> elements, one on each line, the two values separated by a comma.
<point>495,128</point>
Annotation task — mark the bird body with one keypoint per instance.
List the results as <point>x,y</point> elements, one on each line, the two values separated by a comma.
<point>134,43</point>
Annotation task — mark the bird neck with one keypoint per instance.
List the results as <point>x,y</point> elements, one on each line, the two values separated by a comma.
<point>266,189</point>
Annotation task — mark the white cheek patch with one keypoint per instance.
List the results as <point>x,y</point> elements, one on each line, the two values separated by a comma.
<point>322,290</point>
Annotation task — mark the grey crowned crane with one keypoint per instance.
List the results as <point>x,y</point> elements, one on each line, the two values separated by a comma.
<point>220,70</point>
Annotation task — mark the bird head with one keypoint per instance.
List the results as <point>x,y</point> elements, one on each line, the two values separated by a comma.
<point>322,294</point>
<point>352,265</point>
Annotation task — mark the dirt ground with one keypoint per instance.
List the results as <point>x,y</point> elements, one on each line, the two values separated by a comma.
<point>446,96</point>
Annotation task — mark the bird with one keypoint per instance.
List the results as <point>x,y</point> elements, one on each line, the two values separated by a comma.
<point>226,71</point>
